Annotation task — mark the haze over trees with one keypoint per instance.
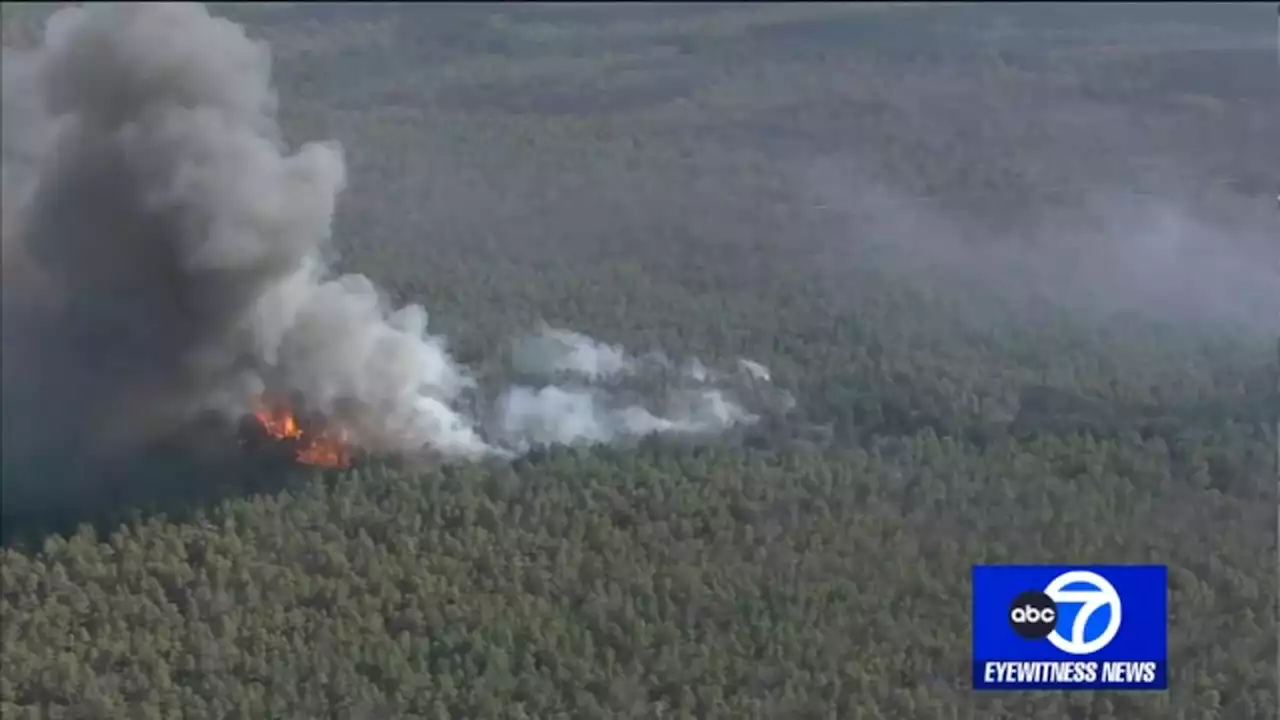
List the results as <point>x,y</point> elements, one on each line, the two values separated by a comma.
<point>1016,266</point>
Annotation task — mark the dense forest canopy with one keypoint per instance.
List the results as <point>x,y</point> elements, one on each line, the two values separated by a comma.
<point>1014,267</point>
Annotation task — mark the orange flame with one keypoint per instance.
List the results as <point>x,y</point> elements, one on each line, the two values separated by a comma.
<point>326,448</point>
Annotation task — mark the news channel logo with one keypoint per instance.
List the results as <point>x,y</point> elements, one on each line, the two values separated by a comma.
<point>1054,627</point>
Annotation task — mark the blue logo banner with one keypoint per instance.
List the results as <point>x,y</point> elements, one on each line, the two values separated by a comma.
<point>1070,627</point>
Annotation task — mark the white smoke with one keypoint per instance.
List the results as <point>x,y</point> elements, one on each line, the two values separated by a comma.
<point>151,191</point>
<point>755,370</point>
<point>564,351</point>
<point>588,392</point>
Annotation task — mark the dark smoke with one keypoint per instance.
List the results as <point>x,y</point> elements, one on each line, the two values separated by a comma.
<point>163,259</point>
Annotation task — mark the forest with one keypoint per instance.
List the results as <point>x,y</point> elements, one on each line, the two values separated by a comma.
<point>1015,266</point>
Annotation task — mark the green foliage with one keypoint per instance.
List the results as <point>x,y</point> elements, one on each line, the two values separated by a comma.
<point>676,178</point>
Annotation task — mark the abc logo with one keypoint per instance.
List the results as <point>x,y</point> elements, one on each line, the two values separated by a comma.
<point>1034,614</point>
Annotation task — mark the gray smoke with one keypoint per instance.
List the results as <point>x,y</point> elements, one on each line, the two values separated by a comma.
<point>1196,257</point>
<point>163,257</point>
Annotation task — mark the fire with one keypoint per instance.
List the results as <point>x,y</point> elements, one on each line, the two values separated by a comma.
<point>325,448</point>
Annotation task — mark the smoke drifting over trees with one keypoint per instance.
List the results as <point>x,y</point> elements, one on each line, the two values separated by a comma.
<point>165,255</point>
<point>1015,262</point>
<point>1163,249</point>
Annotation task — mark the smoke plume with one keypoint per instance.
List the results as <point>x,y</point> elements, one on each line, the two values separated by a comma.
<point>163,258</point>
<point>1190,256</point>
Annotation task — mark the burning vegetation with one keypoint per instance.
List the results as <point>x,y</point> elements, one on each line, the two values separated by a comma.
<point>310,443</point>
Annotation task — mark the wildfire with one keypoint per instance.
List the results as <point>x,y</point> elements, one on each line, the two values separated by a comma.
<point>325,448</point>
